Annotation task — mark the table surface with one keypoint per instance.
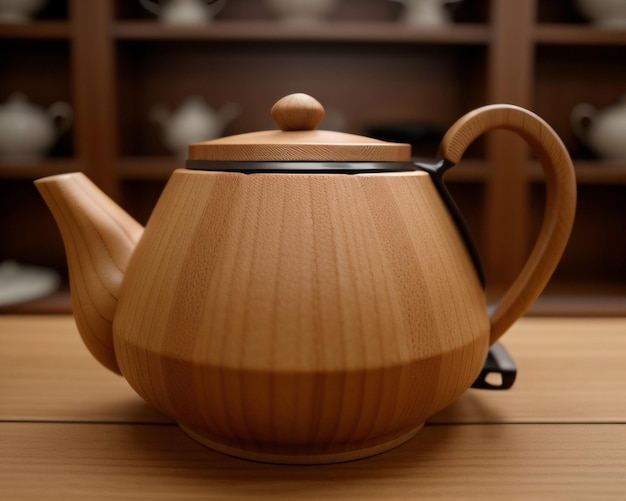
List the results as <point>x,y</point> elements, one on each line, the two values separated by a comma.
<point>70,429</point>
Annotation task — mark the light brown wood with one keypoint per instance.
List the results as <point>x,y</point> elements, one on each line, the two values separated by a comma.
<point>308,315</point>
<point>99,239</point>
<point>298,115</point>
<point>69,430</point>
<point>48,375</point>
<point>298,318</point>
<point>320,316</point>
<point>315,145</point>
<point>77,462</point>
<point>560,200</point>
<point>297,112</point>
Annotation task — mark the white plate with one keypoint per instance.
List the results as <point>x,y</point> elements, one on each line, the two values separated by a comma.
<point>20,283</point>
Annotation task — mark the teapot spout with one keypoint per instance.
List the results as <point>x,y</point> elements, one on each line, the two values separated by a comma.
<point>99,239</point>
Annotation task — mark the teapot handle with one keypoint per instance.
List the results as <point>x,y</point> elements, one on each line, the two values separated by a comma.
<point>560,200</point>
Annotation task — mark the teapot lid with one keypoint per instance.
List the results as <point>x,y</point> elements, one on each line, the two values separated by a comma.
<point>297,115</point>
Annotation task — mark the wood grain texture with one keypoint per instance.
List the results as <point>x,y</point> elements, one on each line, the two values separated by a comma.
<point>69,430</point>
<point>298,145</point>
<point>298,115</point>
<point>297,112</point>
<point>560,199</point>
<point>300,315</point>
<point>40,461</point>
<point>308,318</point>
<point>99,238</point>
<point>47,375</point>
<point>570,371</point>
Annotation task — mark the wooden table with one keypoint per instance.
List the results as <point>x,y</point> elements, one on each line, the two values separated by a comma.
<point>69,429</point>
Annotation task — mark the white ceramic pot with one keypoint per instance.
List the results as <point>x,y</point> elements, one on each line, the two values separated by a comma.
<point>27,131</point>
<point>19,11</point>
<point>606,13</point>
<point>426,12</point>
<point>602,131</point>
<point>302,11</point>
<point>193,122</point>
<point>183,12</point>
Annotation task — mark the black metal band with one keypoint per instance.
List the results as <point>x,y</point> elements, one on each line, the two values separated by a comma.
<point>298,167</point>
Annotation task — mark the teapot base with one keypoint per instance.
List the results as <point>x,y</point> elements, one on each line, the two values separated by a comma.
<point>296,455</point>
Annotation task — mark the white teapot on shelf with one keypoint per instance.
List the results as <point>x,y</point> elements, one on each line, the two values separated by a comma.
<point>19,11</point>
<point>602,131</point>
<point>28,131</point>
<point>604,13</point>
<point>426,12</point>
<point>183,12</point>
<point>192,122</point>
<point>302,11</point>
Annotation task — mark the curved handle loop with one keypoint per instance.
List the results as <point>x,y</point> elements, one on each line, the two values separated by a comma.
<point>560,200</point>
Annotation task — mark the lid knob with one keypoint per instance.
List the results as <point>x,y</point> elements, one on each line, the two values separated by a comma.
<point>297,112</point>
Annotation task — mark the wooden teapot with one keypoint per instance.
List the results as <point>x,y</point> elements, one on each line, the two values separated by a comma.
<point>300,295</point>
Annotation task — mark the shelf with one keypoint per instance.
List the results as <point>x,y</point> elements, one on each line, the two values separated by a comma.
<point>113,61</point>
<point>564,34</point>
<point>148,168</point>
<point>588,172</point>
<point>467,171</point>
<point>257,31</point>
<point>57,303</point>
<point>581,300</point>
<point>37,169</point>
<point>38,29</point>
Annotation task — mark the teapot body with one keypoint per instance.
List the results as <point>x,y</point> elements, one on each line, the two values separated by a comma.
<point>328,314</point>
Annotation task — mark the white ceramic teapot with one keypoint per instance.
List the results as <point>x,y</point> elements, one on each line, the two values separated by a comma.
<point>605,13</point>
<point>184,11</point>
<point>28,131</point>
<point>193,121</point>
<point>426,12</point>
<point>19,11</point>
<point>603,131</point>
<point>302,11</point>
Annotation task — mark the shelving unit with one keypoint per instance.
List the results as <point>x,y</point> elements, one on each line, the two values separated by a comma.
<point>112,61</point>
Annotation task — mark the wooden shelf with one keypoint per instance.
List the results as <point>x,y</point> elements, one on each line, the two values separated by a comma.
<point>566,34</point>
<point>37,169</point>
<point>148,168</point>
<point>588,172</point>
<point>37,29</point>
<point>112,61</point>
<point>271,31</point>
<point>468,171</point>
<point>581,300</point>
